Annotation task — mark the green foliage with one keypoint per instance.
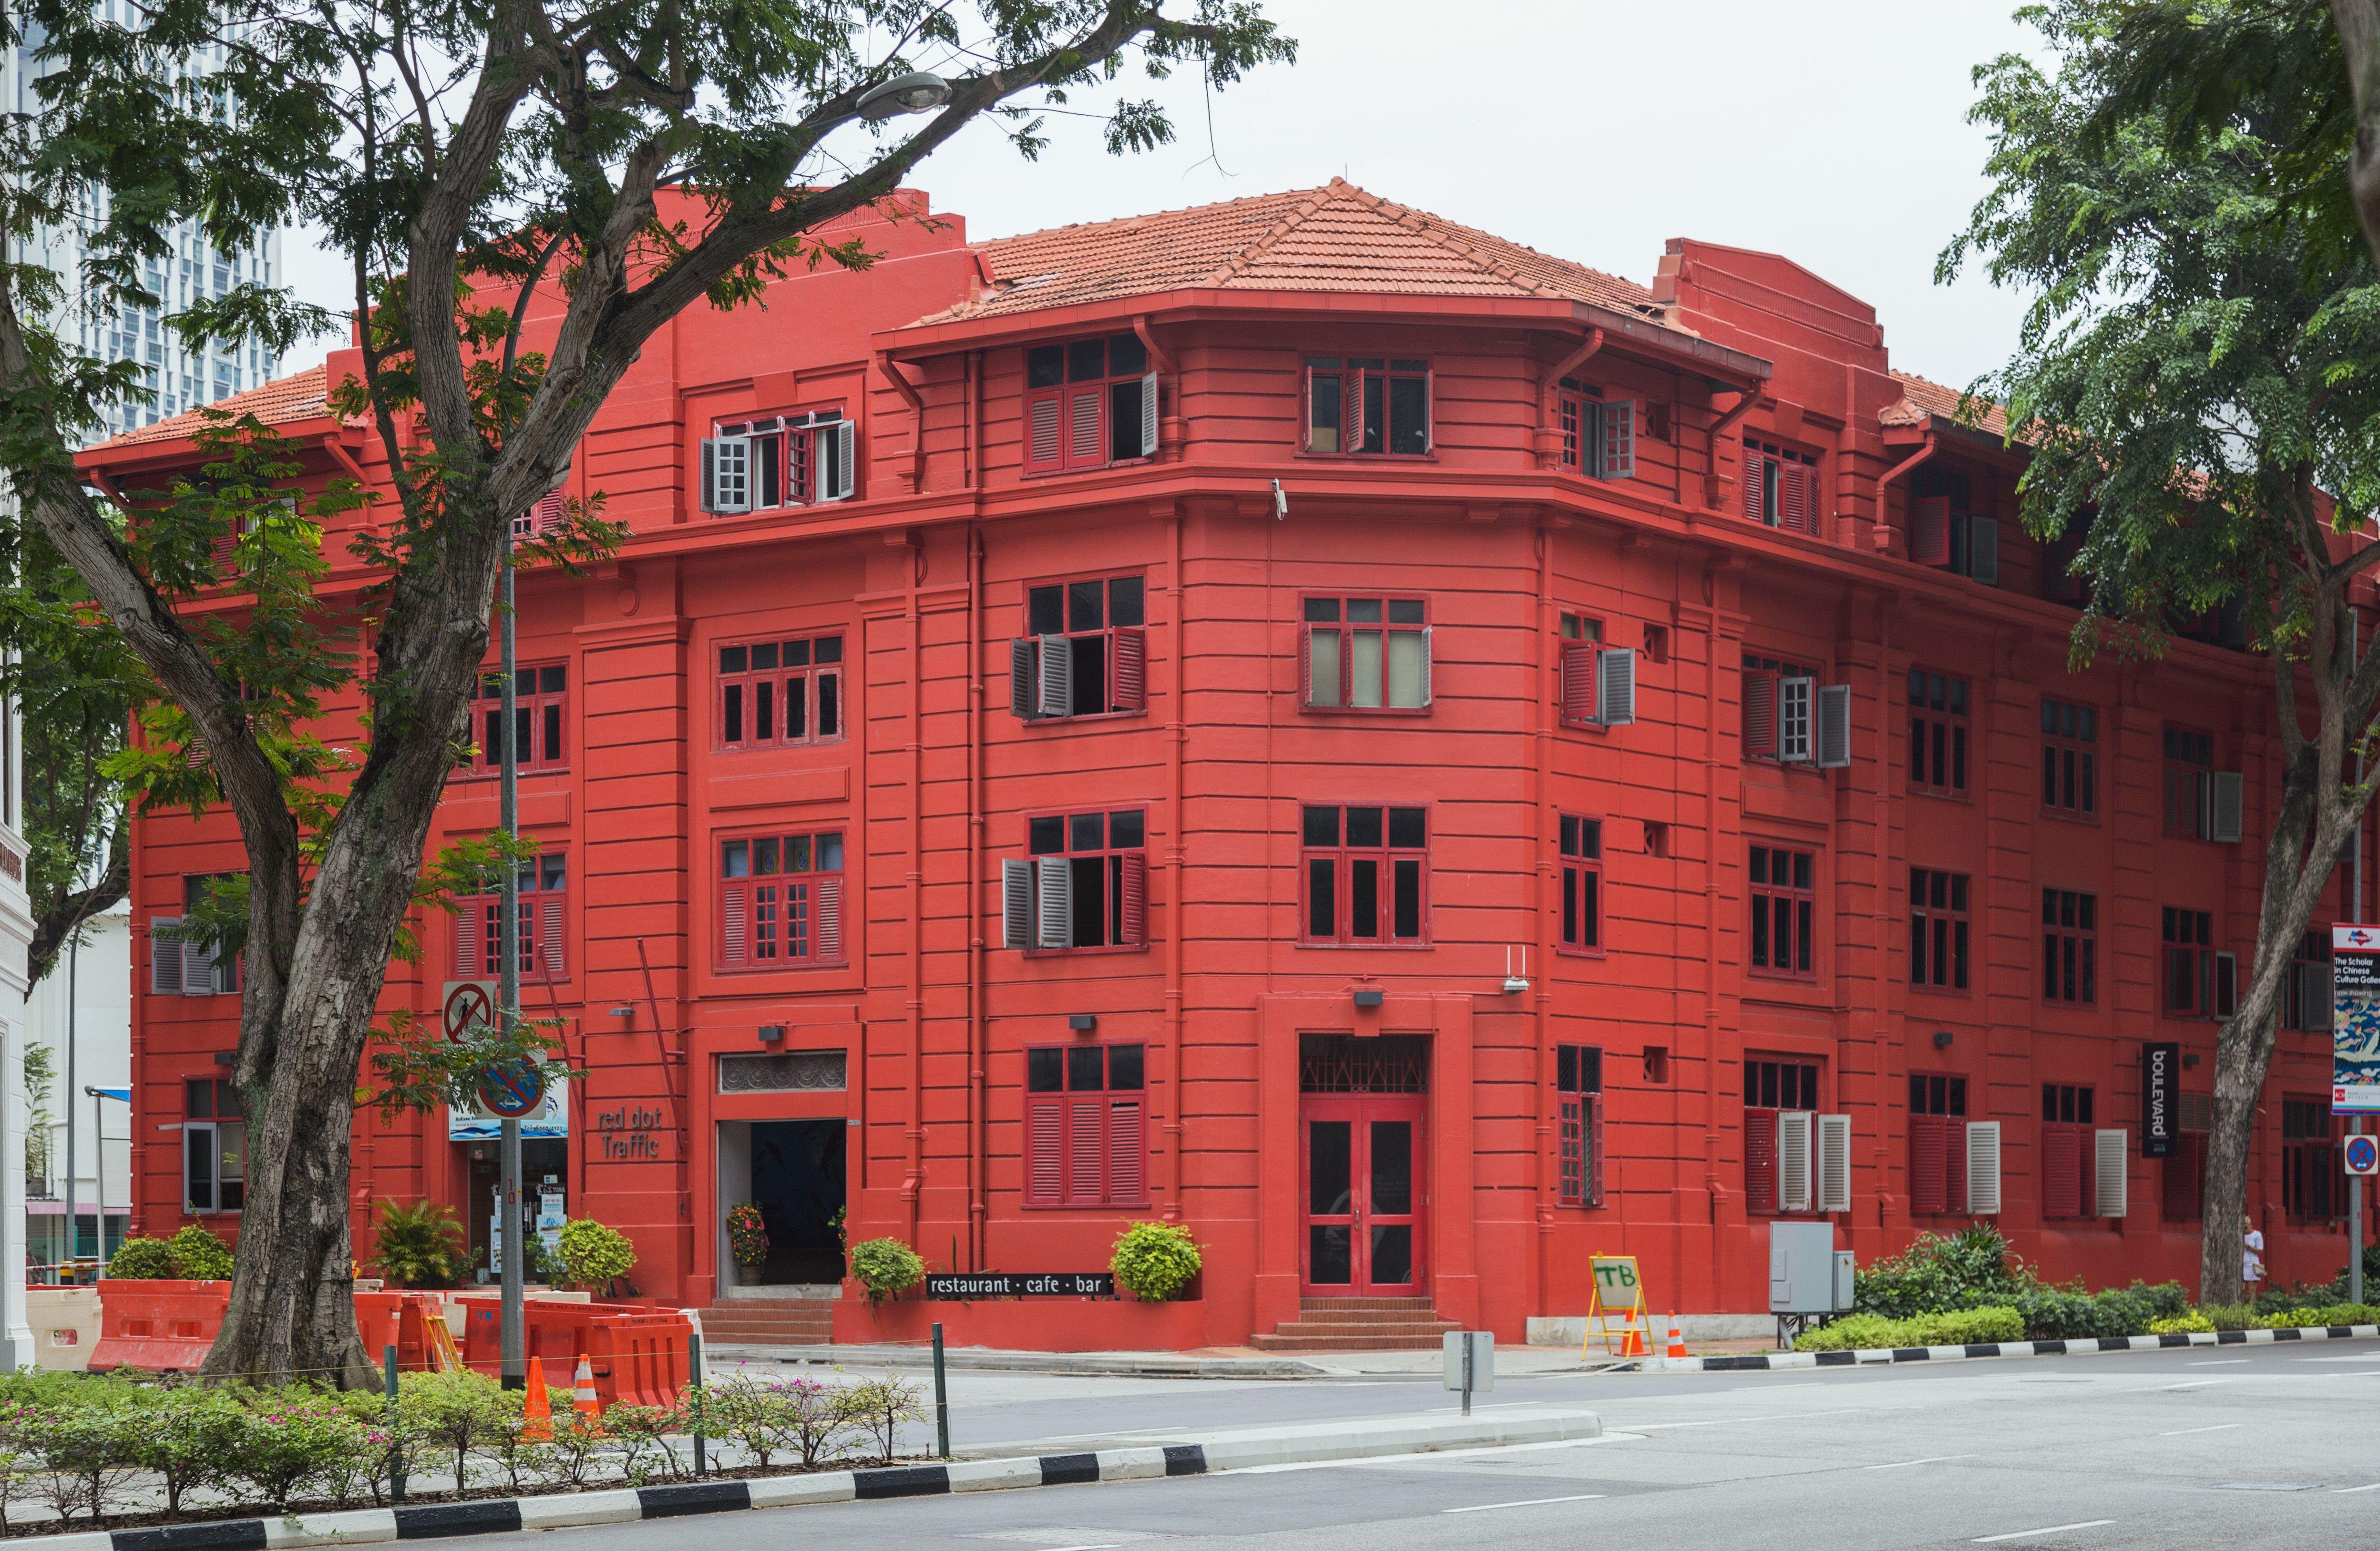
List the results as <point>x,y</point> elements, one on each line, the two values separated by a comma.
<point>2190,1324</point>
<point>801,1417</point>
<point>885,1267</point>
<point>200,1256</point>
<point>747,1234</point>
<point>878,1406</point>
<point>1155,1260</point>
<point>594,1256</point>
<point>143,1260</point>
<point>1872,1332</point>
<point>1941,1271</point>
<point>286,1441</point>
<point>454,1412</point>
<point>421,1246</point>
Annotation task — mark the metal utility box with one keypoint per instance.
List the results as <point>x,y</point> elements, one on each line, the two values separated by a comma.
<point>1845,1270</point>
<point>1802,1267</point>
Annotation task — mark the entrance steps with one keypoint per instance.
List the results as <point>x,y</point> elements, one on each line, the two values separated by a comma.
<point>770,1322</point>
<point>1359,1325</point>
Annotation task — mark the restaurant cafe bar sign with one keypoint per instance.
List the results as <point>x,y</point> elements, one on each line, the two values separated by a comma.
<point>1017,1284</point>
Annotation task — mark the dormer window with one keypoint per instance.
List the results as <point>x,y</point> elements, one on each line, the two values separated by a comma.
<point>1355,405</point>
<point>1089,403</point>
<point>779,460</point>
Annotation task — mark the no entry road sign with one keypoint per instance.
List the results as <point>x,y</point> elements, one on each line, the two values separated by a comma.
<point>2363,1155</point>
<point>512,1090</point>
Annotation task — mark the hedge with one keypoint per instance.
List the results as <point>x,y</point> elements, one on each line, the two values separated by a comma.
<point>1871,1332</point>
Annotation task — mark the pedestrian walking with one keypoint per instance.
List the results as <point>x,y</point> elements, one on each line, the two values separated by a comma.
<point>2251,1255</point>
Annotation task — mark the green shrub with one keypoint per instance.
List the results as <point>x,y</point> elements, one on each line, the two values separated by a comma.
<point>2190,1324</point>
<point>1966,1269</point>
<point>289,1440</point>
<point>593,1256</point>
<point>142,1260</point>
<point>419,1245</point>
<point>885,1267</point>
<point>1155,1260</point>
<point>2228,1316</point>
<point>2332,1314</point>
<point>1954,1327</point>
<point>199,1255</point>
<point>878,1406</point>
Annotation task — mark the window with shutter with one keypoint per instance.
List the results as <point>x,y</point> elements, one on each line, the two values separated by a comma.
<point>1366,654</point>
<point>1780,486</point>
<point>777,461</point>
<point>1578,684</point>
<point>1086,1137</point>
<point>1833,737</point>
<point>1760,1162</point>
<point>1615,439</point>
<point>543,886</point>
<point>1779,709</point>
<point>1374,407</point>
<point>1929,531</point>
<point>780,694</point>
<point>1773,1089</point>
<point>164,956</point>
<point>1089,403</point>
<point>1616,696</point>
<point>2069,1151</point>
<point>1365,874</point>
<point>1084,885</point>
<point>1982,1168</point>
<point>2190,779</point>
<point>1832,1183</point>
<point>1084,651</point>
<point>780,900</point>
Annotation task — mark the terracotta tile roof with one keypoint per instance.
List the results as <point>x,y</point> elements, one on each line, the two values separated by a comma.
<point>299,396</point>
<point>1333,238</point>
<point>1922,400</point>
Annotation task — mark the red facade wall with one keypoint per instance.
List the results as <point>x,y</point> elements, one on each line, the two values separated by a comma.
<point>925,576</point>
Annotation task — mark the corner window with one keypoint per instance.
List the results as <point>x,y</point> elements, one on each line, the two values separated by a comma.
<point>1780,487</point>
<point>540,718</point>
<point>215,1148</point>
<point>1083,883</point>
<point>1784,905</point>
<point>1582,884</point>
<point>1356,404</point>
<point>1598,435</point>
<point>1946,531</point>
<point>775,461</point>
<point>1578,1097</point>
<point>781,693</point>
<point>1365,875</point>
<point>780,900</point>
<point>544,900</point>
<point>1089,403</point>
<point>1085,1131</point>
<point>1367,654</point>
<point>2069,760</point>
<point>1085,652</point>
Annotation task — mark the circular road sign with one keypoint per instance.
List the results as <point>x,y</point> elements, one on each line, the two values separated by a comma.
<point>468,1005</point>
<point>512,1090</point>
<point>2364,1154</point>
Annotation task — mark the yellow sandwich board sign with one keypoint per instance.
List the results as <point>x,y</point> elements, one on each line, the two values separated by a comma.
<point>1618,1292</point>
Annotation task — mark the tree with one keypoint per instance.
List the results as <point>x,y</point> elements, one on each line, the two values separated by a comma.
<point>460,156</point>
<point>2198,378</point>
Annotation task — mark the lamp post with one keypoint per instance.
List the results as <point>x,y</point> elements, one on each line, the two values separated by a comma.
<point>99,1161</point>
<point>508,1152</point>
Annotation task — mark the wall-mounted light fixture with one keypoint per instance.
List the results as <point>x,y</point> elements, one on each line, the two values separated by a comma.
<point>1515,983</point>
<point>624,1014</point>
<point>2190,1059</point>
<point>227,1058</point>
<point>1942,1039</point>
<point>771,1034</point>
<point>1370,996</point>
<point>1084,1022</point>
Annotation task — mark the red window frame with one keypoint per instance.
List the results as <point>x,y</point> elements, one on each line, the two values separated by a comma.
<point>1074,407</point>
<point>1375,419</point>
<point>1580,647</point>
<point>1783,909</point>
<point>1085,1133</point>
<point>1332,620</point>
<point>1938,927</point>
<point>2070,946</point>
<point>1781,487</point>
<point>2193,975</point>
<point>763,924</point>
<point>1120,869</point>
<point>1772,1086</point>
<point>2069,760</point>
<point>2189,772</point>
<point>1343,859</point>
<point>753,700</point>
<point>1937,1144</point>
<point>1578,1097</point>
<point>1122,649</point>
<point>540,720</point>
<point>2069,1188</point>
<point>1938,733</point>
<point>2312,1182</point>
<point>785,466</point>
<point>1580,844</point>
<point>543,937</point>
<point>1764,679</point>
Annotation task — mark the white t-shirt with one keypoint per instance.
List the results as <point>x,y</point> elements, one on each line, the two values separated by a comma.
<point>2252,1259</point>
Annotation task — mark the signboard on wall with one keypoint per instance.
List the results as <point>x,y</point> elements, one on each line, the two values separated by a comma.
<point>2160,1097</point>
<point>2355,1020</point>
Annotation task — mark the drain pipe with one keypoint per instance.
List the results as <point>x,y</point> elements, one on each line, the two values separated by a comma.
<point>1549,442</point>
<point>1719,433</point>
<point>1883,529</point>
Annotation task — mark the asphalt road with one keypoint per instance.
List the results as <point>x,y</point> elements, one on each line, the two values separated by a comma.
<point>2207,1447</point>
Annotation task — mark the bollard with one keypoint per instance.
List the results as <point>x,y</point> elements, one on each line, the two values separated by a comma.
<point>942,1398</point>
<point>395,1474</point>
<point>694,1387</point>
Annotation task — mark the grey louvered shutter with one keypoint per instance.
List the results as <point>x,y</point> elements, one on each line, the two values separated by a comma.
<point>1056,875</point>
<point>165,957</point>
<point>199,967</point>
<point>1793,1149</point>
<point>1616,686</point>
<point>1017,904</point>
<point>2110,1171</point>
<point>2226,793</point>
<point>709,475</point>
<point>846,448</point>
<point>1835,726</point>
<point>1984,550</point>
<point>1057,677</point>
<point>1834,1163</point>
<point>1024,681</point>
<point>1794,697</point>
<point>1983,1168</point>
<point>1148,416</point>
<point>1428,661</point>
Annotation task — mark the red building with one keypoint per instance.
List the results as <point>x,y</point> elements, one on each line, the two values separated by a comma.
<point>1416,758</point>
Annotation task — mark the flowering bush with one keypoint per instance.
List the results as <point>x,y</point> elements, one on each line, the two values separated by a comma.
<point>746,1235</point>
<point>288,1441</point>
<point>800,1416</point>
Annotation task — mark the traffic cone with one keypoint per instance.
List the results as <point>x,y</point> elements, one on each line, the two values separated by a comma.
<point>1632,1340</point>
<point>536,1407</point>
<point>583,1403</point>
<point>1677,1342</point>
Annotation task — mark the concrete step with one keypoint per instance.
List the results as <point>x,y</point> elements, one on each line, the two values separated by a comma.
<point>1419,1329</point>
<point>795,1322</point>
<point>1370,1342</point>
<point>1364,1303</point>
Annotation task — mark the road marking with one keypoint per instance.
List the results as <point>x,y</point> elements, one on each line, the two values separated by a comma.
<point>2219,1427</point>
<point>2194,1384</point>
<point>2339,1490</point>
<point>2052,1530</point>
<point>1482,1508</point>
<point>1929,1460</point>
<point>2217,1362</point>
<point>1440,1456</point>
<point>1732,1421</point>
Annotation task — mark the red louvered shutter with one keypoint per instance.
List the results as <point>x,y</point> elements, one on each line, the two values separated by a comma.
<point>826,919</point>
<point>1578,683</point>
<point>1125,1151</point>
<point>1305,666</point>
<point>227,554</point>
<point>1086,420</point>
<point>1927,1185</point>
<point>1790,512</point>
<point>1594,1149</point>
<point>1929,530</point>
<point>548,933</point>
<point>1045,1151</point>
<point>1351,412</point>
<point>1045,445</point>
<point>1086,1147</point>
<point>1760,1161</point>
<point>736,923</point>
<point>471,939</point>
<point>1954,1163</point>
<point>1755,490</point>
<point>1128,673</point>
<point>1759,713</point>
<point>1135,898</point>
<point>2061,1172</point>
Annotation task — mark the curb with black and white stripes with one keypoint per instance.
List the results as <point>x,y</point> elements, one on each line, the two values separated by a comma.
<point>1755,1361</point>
<point>1355,1440</point>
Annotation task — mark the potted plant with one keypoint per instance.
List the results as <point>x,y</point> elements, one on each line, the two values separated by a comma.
<point>747,1239</point>
<point>1153,1260</point>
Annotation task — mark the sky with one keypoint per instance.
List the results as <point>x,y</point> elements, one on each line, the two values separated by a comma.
<point>1832,131</point>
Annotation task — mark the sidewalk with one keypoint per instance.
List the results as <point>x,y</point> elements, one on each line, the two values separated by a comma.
<point>1227,1361</point>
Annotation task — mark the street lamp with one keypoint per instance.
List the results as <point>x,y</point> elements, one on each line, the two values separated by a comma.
<point>99,1164</point>
<point>915,92</point>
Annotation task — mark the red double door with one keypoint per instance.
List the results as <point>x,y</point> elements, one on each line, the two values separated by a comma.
<point>1362,1171</point>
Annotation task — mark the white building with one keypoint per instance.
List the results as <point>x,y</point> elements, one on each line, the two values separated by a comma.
<point>98,975</point>
<point>16,942</point>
